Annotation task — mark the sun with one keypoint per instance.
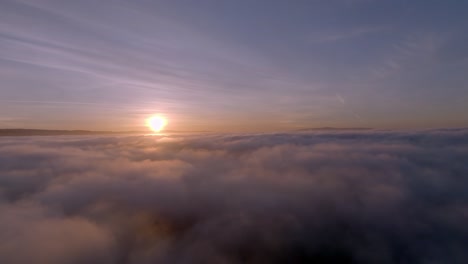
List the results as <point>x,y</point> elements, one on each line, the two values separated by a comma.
<point>156,123</point>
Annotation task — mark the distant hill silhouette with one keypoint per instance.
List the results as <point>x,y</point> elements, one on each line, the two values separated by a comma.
<point>46,132</point>
<point>332,128</point>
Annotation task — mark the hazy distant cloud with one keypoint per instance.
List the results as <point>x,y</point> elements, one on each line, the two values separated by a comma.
<point>324,197</point>
<point>453,49</point>
<point>324,37</point>
<point>417,50</point>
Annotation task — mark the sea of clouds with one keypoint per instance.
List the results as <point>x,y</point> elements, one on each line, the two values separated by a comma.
<point>312,197</point>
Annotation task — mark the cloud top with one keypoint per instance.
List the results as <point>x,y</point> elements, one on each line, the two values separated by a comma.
<point>321,197</point>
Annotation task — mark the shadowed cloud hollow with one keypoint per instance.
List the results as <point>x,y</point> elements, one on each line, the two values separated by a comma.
<point>321,197</point>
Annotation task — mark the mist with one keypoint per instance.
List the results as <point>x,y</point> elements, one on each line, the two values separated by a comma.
<point>312,197</point>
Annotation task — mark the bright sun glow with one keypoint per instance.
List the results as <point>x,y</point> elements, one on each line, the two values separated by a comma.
<point>156,123</point>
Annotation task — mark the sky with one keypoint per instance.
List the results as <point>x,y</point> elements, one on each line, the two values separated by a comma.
<point>233,65</point>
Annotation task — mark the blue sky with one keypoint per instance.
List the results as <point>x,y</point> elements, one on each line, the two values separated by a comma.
<point>233,65</point>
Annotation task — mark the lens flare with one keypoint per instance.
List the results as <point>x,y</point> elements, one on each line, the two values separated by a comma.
<point>156,123</point>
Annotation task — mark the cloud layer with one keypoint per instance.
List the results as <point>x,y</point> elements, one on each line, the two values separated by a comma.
<point>323,197</point>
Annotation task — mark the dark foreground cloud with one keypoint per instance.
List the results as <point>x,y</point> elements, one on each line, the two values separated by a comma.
<point>324,197</point>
